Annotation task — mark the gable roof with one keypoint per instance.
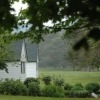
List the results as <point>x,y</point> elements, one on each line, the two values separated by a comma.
<point>16,47</point>
<point>31,50</point>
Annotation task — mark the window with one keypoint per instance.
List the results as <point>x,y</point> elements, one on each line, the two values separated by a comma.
<point>23,67</point>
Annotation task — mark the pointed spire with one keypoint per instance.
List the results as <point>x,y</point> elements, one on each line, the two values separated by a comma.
<point>23,52</point>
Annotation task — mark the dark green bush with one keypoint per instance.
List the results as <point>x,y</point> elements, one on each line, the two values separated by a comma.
<point>49,91</point>
<point>59,92</point>
<point>31,79</point>
<point>52,91</point>
<point>59,82</point>
<point>47,80</point>
<point>8,87</point>
<point>20,88</point>
<point>79,85</point>
<point>92,87</point>
<point>67,86</point>
<point>11,87</point>
<point>77,91</point>
<point>34,89</point>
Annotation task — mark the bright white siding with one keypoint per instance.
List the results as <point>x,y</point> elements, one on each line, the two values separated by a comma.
<point>14,72</point>
<point>31,69</point>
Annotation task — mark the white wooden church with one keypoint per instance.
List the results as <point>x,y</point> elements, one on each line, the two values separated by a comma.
<point>26,63</point>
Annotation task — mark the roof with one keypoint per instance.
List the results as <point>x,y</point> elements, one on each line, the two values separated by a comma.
<point>31,50</point>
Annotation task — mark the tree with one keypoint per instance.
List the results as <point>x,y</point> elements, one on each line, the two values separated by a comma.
<point>78,59</point>
<point>76,14</point>
<point>64,14</point>
<point>7,18</point>
<point>82,59</point>
<point>5,53</point>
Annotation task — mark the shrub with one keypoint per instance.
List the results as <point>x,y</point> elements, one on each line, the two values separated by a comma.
<point>11,87</point>
<point>34,89</point>
<point>67,86</point>
<point>52,91</point>
<point>47,80</point>
<point>8,87</point>
<point>59,92</point>
<point>20,88</point>
<point>92,87</point>
<point>31,79</point>
<point>77,91</point>
<point>79,85</point>
<point>59,82</point>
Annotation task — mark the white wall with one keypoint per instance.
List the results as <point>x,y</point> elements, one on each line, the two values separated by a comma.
<point>31,70</point>
<point>14,69</point>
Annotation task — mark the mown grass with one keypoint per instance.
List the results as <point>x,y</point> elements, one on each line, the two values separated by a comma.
<point>4,97</point>
<point>73,77</point>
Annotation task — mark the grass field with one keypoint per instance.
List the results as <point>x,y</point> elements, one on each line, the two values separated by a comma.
<point>3,97</point>
<point>73,77</point>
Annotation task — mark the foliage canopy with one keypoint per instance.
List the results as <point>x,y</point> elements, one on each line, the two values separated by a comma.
<point>64,14</point>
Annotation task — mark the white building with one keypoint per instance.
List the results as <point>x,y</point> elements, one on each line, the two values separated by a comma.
<point>26,61</point>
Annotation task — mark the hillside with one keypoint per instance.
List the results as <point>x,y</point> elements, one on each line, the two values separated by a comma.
<point>52,51</point>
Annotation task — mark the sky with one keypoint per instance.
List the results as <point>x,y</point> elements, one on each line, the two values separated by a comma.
<point>18,6</point>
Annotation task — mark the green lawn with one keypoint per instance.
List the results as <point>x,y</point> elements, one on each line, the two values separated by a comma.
<point>3,97</point>
<point>73,77</point>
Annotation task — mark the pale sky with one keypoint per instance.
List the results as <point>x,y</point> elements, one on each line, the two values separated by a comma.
<point>18,5</point>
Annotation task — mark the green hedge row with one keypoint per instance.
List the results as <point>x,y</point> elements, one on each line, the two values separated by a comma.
<point>55,88</point>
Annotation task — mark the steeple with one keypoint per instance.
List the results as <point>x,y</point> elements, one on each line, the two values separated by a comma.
<point>23,52</point>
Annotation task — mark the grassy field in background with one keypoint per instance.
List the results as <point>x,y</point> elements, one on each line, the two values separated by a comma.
<point>3,97</point>
<point>73,77</point>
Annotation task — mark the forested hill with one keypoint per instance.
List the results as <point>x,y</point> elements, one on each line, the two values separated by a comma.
<point>52,51</point>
